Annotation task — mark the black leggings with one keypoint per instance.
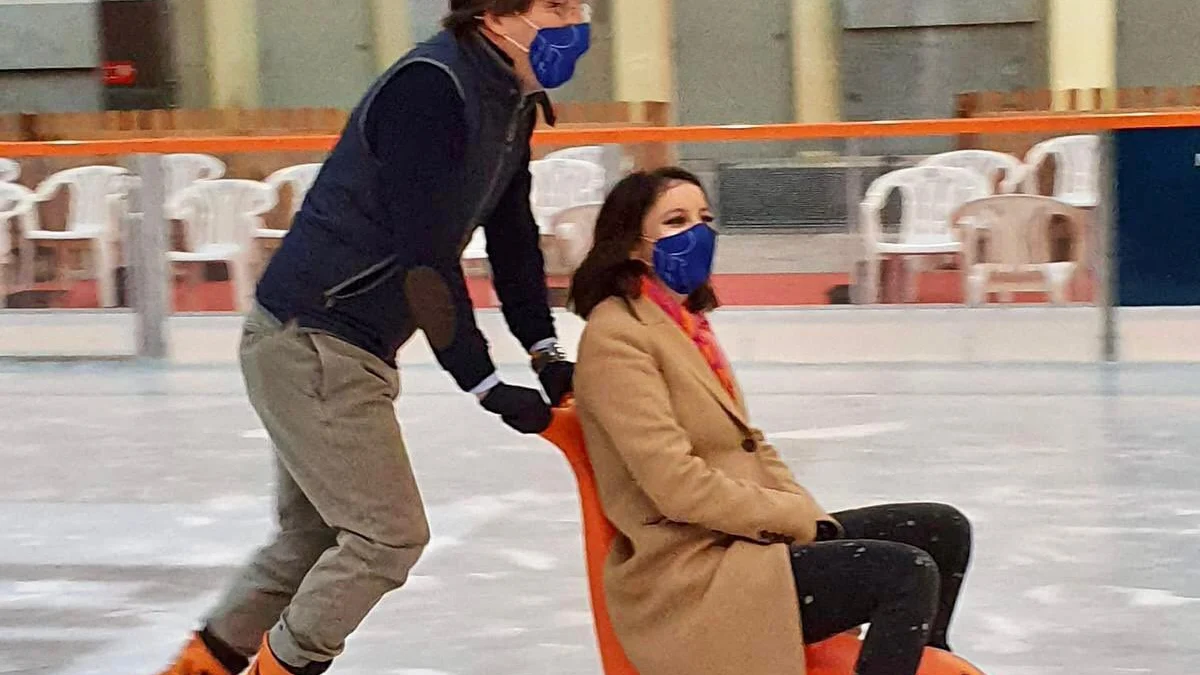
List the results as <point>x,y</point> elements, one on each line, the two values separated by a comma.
<point>899,568</point>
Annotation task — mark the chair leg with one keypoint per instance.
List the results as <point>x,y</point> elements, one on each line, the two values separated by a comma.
<point>1058,295</point>
<point>60,269</point>
<point>871,291</point>
<point>194,276</point>
<point>913,266</point>
<point>1058,279</point>
<point>976,289</point>
<point>105,272</point>
<point>239,274</point>
<point>28,263</point>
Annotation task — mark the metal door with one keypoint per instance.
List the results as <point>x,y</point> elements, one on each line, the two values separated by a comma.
<point>135,36</point>
<point>733,66</point>
<point>909,59</point>
<point>314,53</point>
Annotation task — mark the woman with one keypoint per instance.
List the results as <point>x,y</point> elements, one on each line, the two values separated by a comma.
<point>722,562</point>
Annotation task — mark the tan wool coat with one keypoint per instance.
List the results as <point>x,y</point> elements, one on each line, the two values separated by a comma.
<point>699,580</point>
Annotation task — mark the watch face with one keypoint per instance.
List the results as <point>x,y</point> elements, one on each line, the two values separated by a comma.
<point>551,353</point>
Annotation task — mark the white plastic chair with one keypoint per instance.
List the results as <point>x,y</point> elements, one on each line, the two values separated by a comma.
<point>183,169</point>
<point>10,171</point>
<point>97,199</point>
<point>930,195</point>
<point>1077,169</point>
<point>997,167</point>
<point>583,153</point>
<point>300,178</point>
<point>475,260</point>
<point>562,183</point>
<point>221,217</point>
<point>16,204</point>
<point>476,249</point>
<point>574,231</point>
<point>1019,246</point>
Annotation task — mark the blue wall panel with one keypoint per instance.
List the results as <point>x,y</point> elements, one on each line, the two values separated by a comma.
<point>1158,217</point>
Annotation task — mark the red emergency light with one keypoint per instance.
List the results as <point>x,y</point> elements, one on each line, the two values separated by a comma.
<point>120,73</point>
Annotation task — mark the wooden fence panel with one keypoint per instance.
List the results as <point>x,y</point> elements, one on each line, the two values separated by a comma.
<point>178,123</point>
<point>991,104</point>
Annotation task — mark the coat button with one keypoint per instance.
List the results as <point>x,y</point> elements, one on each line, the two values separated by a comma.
<point>750,445</point>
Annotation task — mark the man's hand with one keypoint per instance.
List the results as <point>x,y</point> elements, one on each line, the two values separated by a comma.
<point>555,372</point>
<point>521,408</point>
<point>558,381</point>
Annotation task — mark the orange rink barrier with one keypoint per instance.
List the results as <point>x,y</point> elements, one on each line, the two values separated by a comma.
<point>741,287</point>
<point>1051,123</point>
<point>835,656</point>
<point>787,289</point>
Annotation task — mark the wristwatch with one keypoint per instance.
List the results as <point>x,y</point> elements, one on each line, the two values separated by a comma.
<point>543,357</point>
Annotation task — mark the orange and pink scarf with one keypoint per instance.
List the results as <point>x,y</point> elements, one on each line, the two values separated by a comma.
<point>697,328</point>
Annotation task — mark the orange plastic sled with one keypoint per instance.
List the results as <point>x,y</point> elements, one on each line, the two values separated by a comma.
<point>835,656</point>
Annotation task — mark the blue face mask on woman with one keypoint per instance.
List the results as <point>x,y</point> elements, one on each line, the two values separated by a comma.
<point>684,261</point>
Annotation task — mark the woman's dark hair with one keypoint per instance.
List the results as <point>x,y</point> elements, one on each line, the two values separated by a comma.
<point>463,13</point>
<point>608,271</point>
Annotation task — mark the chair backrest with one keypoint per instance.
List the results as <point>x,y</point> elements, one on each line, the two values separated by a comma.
<point>91,188</point>
<point>1019,229</point>
<point>476,248</point>
<point>835,656</point>
<point>223,211</point>
<point>183,169</point>
<point>1076,168</point>
<point>929,196</point>
<point>16,203</point>
<point>598,535</point>
<point>574,229</point>
<point>300,178</point>
<point>583,153</point>
<point>1002,170</point>
<point>10,171</point>
<point>562,183</point>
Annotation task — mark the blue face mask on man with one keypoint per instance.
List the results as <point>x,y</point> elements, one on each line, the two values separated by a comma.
<point>684,260</point>
<point>555,52</point>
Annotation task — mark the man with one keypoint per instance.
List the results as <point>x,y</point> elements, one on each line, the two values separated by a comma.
<point>438,147</point>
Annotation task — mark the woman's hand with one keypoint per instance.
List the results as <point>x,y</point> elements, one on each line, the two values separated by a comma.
<point>829,530</point>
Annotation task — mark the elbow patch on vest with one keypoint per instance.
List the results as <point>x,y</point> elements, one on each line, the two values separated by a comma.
<point>432,306</point>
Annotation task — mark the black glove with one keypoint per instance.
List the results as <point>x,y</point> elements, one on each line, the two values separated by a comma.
<point>521,408</point>
<point>557,380</point>
<point>555,372</point>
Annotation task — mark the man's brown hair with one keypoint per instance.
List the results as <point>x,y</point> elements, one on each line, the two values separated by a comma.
<point>463,13</point>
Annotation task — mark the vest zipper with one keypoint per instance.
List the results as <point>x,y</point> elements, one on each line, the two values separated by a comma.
<point>512,124</point>
<point>332,295</point>
<point>510,136</point>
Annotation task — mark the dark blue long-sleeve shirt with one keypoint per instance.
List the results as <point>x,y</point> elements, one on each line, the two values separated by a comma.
<point>416,128</point>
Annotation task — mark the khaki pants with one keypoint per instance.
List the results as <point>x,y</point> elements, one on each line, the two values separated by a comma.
<point>351,522</point>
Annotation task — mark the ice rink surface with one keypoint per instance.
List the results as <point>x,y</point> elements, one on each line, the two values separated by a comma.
<point>131,493</point>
